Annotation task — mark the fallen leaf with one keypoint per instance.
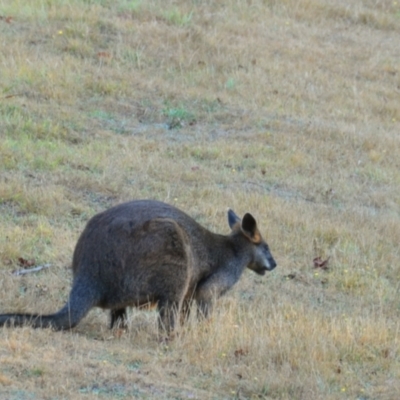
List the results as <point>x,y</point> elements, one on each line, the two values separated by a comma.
<point>240,353</point>
<point>5,381</point>
<point>9,96</point>
<point>319,263</point>
<point>23,262</point>
<point>103,54</point>
<point>386,353</point>
<point>8,19</point>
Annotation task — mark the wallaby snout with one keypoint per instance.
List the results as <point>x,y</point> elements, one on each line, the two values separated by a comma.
<point>147,251</point>
<point>262,259</point>
<point>269,265</point>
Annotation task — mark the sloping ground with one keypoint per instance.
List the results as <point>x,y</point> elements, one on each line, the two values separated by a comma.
<point>287,109</point>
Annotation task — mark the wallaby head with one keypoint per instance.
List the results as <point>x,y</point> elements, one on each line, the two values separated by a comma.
<point>261,259</point>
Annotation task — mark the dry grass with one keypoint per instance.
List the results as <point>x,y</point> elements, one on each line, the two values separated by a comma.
<point>287,109</point>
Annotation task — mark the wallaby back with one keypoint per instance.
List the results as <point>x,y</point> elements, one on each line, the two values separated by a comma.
<point>147,251</point>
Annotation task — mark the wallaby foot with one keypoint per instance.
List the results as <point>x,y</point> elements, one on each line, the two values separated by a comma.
<point>118,318</point>
<point>168,312</point>
<point>204,309</point>
<point>185,311</point>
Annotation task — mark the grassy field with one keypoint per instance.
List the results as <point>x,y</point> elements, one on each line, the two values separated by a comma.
<point>288,109</point>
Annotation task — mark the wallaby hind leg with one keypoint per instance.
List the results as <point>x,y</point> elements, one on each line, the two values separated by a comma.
<point>204,309</point>
<point>169,310</point>
<point>185,311</point>
<point>170,303</point>
<point>118,318</point>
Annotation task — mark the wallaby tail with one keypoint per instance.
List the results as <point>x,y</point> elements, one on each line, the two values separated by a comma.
<point>81,300</point>
<point>57,321</point>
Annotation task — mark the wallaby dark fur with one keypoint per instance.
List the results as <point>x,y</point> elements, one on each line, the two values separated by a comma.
<point>147,251</point>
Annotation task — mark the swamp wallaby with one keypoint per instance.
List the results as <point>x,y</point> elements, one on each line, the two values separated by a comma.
<point>147,251</point>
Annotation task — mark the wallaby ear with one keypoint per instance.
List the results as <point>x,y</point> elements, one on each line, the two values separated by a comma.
<point>233,219</point>
<point>249,228</point>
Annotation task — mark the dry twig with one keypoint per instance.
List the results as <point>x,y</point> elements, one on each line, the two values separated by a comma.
<point>19,272</point>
